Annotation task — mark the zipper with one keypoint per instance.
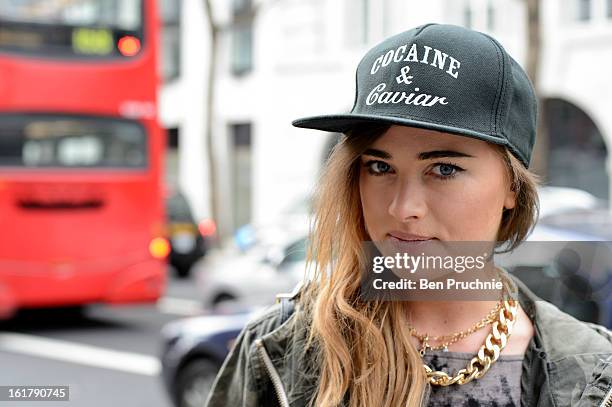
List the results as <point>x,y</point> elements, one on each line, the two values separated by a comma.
<point>607,401</point>
<point>281,395</point>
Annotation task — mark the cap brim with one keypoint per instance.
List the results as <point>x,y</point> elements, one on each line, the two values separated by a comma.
<point>341,123</point>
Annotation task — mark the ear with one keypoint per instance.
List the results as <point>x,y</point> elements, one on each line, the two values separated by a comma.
<point>510,199</point>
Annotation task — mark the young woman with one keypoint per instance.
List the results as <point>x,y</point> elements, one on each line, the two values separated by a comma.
<point>437,146</point>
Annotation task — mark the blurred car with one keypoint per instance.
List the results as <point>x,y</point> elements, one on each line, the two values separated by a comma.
<point>293,219</point>
<point>558,200</point>
<point>188,239</point>
<point>193,350</point>
<point>255,276</point>
<point>259,261</point>
<point>569,262</point>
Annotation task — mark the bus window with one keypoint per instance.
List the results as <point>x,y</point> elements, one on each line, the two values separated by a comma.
<point>71,142</point>
<point>77,28</point>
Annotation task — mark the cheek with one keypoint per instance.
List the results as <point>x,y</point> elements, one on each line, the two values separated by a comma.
<point>473,214</point>
<point>374,205</point>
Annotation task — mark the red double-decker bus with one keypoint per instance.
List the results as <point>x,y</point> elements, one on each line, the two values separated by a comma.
<point>81,210</point>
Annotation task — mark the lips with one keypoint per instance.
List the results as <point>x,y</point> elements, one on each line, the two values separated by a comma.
<point>408,237</point>
<point>407,243</point>
<point>401,243</point>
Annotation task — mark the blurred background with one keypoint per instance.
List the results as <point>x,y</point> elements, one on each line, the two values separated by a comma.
<point>154,195</point>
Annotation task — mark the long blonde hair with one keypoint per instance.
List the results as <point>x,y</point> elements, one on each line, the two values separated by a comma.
<point>363,348</point>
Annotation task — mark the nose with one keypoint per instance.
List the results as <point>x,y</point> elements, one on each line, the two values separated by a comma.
<point>408,201</point>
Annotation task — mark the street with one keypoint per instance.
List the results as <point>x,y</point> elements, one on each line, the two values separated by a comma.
<point>108,356</point>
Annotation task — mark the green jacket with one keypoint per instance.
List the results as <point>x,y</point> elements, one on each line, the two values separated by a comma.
<point>567,362</point>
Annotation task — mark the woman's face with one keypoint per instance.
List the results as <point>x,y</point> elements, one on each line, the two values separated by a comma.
<point>417,184</point>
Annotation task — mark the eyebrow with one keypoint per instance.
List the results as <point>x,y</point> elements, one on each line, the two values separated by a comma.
<point>426,155</point>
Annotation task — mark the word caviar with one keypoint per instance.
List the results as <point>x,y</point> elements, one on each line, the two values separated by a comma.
<point>423,99</point>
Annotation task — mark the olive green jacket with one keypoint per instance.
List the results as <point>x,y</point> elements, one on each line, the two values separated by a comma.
<point>567,362</point>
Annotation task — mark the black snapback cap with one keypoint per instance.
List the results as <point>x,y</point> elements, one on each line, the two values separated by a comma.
<point>446,78</point>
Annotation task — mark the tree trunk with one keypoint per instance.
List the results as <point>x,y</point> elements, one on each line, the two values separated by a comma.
<point>209,101</point>
<point>539,162</point>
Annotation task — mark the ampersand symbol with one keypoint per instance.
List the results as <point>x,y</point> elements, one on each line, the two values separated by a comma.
<point>404,77</point>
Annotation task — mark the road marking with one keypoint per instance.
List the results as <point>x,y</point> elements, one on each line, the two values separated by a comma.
<point>179,306</point>
<point>81,354</point>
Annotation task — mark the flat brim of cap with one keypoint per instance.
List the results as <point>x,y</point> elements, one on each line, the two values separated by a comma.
<point>341,123</point>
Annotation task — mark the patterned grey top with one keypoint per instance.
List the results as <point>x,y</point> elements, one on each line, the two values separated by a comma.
<point>499,387</point>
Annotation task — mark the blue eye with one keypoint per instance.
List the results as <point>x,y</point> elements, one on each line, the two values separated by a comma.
<point>447,171</point>
<point>377,167</point>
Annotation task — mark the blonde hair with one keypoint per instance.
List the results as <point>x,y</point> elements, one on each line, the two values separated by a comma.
<point>363,348</point>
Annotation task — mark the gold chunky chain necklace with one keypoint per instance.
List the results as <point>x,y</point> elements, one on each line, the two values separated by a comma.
<point>505,316</point>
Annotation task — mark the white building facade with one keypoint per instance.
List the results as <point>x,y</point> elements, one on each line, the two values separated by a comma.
<point>283,59</point>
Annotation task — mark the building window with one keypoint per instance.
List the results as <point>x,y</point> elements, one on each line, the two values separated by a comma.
<point>584,10</point>
<point>387,17</point>
<point>577,151</point>
<point>357,22</point>
<point>365,14</point>
<point>241,173</point>
<point>242,37</point>
<point>242,48</point>
<point>609,8</point>
<point>467,15</point>
<point>490,16</point>
<point>172,157</point>
<point>241,6</point>
<point>170,59</point>
<point>173,138</point>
